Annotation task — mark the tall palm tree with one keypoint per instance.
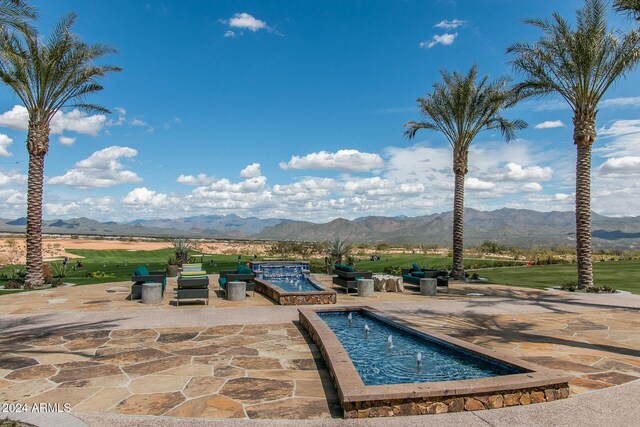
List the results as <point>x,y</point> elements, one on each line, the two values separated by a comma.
<point>47,76</point>
<point>460,107</point>
<point>579,65</point>
<point>632,7</point>
<point>16,14</point>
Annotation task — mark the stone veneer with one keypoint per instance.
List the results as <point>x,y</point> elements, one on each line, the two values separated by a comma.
<point>536,385</point>
<point>281,297</point>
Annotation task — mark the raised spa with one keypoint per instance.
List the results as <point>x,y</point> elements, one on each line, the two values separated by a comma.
<point>289,283</point>
<point>382,365</point>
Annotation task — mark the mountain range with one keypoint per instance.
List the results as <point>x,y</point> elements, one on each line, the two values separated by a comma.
<point>518,227</point>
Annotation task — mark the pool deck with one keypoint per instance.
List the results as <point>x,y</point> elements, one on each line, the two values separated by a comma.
<point>114,360</point>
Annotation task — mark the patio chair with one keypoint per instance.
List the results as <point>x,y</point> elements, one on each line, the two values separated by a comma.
<point>193,283</point>
<point>142,275</point>
<point>347,277</point>
<point>412,276</point>
<point>240,274</point>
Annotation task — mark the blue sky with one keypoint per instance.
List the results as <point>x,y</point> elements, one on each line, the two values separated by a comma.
<point>295,109</point>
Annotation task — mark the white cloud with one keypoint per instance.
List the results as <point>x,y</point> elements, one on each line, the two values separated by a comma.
<point>531,187</point>
<point>623,139</point>
<point>556,198</point>
<point>454,23</point>
<point>141,123</point>
<point>444,39</point>
<point>229,34</point>
<point>170,123</point>
<point>620,127</point>
<point>200,179</point>
<point>145,197</point>
<point>620,165</point>
<point>515,172</point>
<point>377,186</point>
<point>102,169</point>
<point>67,140</point>
<point>11,197</point>
<point>620,102</point>
<point>473,183</point>
<point>75,120</point>
<point>341,160</point>
<point>247,22</point>
<point>12,178</point>
<point>17,118</point>
<point>550,124</point>
<point>5,141</point>
<point>251,171</point>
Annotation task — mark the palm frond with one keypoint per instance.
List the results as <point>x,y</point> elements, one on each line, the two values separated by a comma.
<point>463,105</point>
<point>578,64</point>
<point>53,73</point>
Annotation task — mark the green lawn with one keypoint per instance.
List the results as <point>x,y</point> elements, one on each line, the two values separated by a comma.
<point>622,275</point>
<point>119,265</point>
<point>405,260</point>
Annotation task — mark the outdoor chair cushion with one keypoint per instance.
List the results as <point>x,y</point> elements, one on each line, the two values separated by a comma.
<point>243,269</point>
<point>345,268</point>
<point>191,267</point>
<point>415,267</point>
<point>417,273</point>
<point>141,271</point>
<point>193,273</point>
<point>222,282</point>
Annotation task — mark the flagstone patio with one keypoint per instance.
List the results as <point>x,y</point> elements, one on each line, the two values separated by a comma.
<point>91,348</point>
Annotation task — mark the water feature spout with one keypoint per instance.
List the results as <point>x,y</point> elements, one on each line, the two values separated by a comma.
<point>350,318</point>
<point>390,342</point>
<point>366,330</point>
<point>419,359</point>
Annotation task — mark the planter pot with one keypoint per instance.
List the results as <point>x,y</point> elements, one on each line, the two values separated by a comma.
<point>172,270</point>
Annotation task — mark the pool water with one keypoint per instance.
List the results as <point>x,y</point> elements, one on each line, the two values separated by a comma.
<point>298,283</point>
<point>378,364</point>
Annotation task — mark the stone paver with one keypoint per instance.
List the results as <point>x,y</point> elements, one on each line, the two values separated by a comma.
<point>102,353</point>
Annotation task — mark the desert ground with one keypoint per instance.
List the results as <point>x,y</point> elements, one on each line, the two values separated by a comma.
<point>13,249</point>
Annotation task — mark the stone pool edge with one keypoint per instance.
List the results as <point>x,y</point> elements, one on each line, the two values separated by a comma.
<point>281,297</point>
<point>537,385</point>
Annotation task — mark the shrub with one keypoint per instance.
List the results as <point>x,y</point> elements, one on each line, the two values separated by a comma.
<point>569,286</point>
<point>393,269</point>
<point>100,274</point>
<point>317,266</point>
<point>14,284</point>
<point>601,290</point>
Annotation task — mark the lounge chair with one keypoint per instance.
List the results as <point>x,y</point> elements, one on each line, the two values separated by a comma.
<point>193,283</point>
<point>142,275</point>
<point>347,276</point>
<point>240,274</point>
<point>413,275</point>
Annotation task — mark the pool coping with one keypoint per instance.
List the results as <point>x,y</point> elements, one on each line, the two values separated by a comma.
<point>324,295</point>
<point>358,400</point>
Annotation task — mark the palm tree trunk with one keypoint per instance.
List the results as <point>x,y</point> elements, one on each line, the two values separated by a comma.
<point>583,216</point>
<point>37,145</point>
<point>458,227</point>
<point>584,135</point>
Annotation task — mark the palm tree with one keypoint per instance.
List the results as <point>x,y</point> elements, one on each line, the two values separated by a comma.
<point>632,7</point>
<point>16,14</point>
<point>579,65</point>
<point>47,76</point>
<point>460,107</point>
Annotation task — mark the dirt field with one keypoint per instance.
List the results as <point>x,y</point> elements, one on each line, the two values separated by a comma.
<point>13,250</point>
